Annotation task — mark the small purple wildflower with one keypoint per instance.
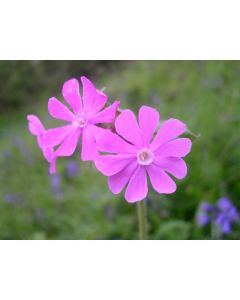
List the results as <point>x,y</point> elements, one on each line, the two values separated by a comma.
<point>12,198</point>
<point>72,168</point>
<point>223,214</point>
<point>203,219</point>
<point>206,207</point>
<point>108,211</point>
<point>56,185</point>
<point>6,154</point>
<point>227,214</point>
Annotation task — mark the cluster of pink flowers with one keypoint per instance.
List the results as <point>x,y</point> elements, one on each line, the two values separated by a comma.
<point>127,153</point>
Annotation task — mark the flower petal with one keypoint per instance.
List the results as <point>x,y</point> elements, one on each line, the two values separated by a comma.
<point>174,165</point>
<point>35,125</point>
<point>89,151</point>
<point>40,141</point>
<point>148,122</point>
<point>49,155</point>
<point>71,94</point>
<point>126,125</point>
<point>113,143</point>
<point>203,219</point>
<point>169,130</point>
<point>54,136</point>
<point>161,182</point>
<point>137,188</point>
<point>100,101</point>
<point>69,144</point>
<point>226,227</point>
<point>59,111</point>
<point>117,182</point>
<point>97,131</point>
<point>52,167</point>
<point>109,165</point>
<point>107,115</point>
<point>89,93</point>
<point>176,148</point>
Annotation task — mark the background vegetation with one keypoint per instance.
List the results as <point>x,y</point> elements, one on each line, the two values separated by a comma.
<point>76,203</point>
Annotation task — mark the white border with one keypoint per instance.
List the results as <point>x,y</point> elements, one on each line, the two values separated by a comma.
<point>119,270</point>
<point>120,29</point>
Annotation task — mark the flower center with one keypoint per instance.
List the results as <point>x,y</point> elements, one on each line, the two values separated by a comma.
<point>145,157</point>
<point>80,121</point>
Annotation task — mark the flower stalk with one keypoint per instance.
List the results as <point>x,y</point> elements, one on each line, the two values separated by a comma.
<point>142,219</point>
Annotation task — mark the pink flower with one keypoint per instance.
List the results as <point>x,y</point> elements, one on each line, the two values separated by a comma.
<point>36,128</point>
<point>134,153</point>
<point>82,120</point>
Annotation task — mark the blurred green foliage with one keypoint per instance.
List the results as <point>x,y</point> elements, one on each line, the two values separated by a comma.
<point>21,81</point>
<point>204,94</point>
<point>18,80</point>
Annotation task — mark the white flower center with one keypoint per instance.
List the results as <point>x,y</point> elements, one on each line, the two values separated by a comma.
<point>145,157</point>
<point>80,121</point>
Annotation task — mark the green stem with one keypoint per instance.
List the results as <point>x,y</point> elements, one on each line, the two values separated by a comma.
<point>142,220</point>
<point>215,232</point>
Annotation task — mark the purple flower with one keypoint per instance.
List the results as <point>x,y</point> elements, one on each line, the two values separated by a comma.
<point>223,214</point>
<point>206,207</point>
<point>56,185</point>
<point>203,219</point>
<point>226,206</point>
<point>72,168</point>
<point>83,119</point>
<point>12,198</point>
<point>227,214</point>
<point>135,153</point>
<point>108,211</point>
<point>6,154</point>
